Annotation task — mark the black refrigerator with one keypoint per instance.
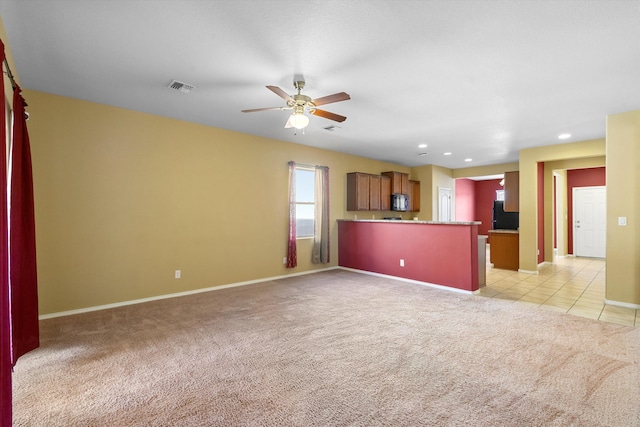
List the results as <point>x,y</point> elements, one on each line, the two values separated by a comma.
<point>504,220</point>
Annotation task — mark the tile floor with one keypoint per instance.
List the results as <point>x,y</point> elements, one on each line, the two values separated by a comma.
<point>572,285</point>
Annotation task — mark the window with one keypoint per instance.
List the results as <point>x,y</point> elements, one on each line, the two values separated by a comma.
<point>305,202</point>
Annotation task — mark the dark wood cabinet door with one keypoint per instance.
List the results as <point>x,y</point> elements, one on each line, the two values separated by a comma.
<point>504,251</point>
<point>404,184</point>
<point>357,191</point>
<point>512,191</point>
<point>385,193</point>
<point>374,192</point>
<point>414,196</point>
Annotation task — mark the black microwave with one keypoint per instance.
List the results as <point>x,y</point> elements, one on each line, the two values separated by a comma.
<point>399,202</point>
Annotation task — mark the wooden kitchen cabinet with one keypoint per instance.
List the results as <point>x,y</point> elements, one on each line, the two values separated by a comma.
<point>357,191</point>
<point>365,192</point>
<point>512,191</point>
<point>399,182</point>
<point>374,192</point>
<point>414,196</point>
<point>504,249</point>
<point>385,193</point>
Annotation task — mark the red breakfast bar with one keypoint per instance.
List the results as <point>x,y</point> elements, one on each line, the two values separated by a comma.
<point>439,253</point>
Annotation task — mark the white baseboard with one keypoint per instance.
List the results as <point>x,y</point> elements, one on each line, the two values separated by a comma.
<point>622,304</point>
<point>177,294</point>
<point>417,282</point>
<point>527,271</point>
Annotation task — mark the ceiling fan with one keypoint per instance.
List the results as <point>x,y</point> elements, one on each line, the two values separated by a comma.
<point>299,103</point>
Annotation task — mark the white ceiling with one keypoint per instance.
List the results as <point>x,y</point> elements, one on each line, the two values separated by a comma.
<point>480,79</point>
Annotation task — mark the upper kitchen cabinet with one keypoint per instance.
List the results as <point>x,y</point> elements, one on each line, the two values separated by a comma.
<point>399,182</point>
<point>414,196</point>
<point>374,192</point>
<point>367,192</point>
<point>512,191</point>
<point>385,193</point>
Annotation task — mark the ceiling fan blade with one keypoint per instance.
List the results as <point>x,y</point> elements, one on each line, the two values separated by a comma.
<point>336,97</point>
<point>281,93</point>
<point>265,109</point>
<point>328,115</point>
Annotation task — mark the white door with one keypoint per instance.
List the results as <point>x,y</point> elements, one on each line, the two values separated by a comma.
<point>589,221</point>
<point>444,204</point>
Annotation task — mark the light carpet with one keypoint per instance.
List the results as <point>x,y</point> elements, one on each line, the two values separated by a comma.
<point>335,348</point>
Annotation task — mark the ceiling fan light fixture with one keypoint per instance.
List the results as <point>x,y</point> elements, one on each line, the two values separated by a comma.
<point>298,120</point>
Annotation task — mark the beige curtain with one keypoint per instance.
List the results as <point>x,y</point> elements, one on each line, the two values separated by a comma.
<point>320,252</point>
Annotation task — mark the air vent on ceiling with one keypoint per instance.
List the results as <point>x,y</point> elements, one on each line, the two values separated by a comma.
<point>180,86</point>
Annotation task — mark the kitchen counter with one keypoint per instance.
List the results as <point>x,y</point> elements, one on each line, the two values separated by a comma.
<point>432,252</point>
<point>504,249</point>
<point>410,221</point>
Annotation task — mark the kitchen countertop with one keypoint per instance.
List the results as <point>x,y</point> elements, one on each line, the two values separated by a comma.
<point>411,221</point>
<point>505,231</point>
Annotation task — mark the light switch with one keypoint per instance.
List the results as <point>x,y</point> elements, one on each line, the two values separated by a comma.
<point>622,220</point>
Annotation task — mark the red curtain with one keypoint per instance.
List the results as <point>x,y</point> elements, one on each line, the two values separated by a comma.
<point>292,249</point>
<point>5,317</point>
<point>22,244</point>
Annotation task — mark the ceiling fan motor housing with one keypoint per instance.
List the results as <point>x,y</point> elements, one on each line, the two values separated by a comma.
<point>301,101</point>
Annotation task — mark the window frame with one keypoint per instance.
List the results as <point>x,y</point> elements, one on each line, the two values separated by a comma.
<point>305,203</point>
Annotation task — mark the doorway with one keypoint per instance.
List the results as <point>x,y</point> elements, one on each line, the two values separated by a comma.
<point>589,221</point>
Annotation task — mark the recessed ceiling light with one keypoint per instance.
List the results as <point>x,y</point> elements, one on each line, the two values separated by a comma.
<point>422,146</point>
<point>447,153</point>
<point>468,160</point>
<point>564,136</point>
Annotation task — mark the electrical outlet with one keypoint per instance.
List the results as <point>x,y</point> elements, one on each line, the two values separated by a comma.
<point>401,263</point>
<point>622,221</point>
<point>284,259</point>
<point>178,274</point>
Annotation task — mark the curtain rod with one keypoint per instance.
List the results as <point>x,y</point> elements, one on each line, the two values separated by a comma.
<point>305,165</point>
<point>9,74</point>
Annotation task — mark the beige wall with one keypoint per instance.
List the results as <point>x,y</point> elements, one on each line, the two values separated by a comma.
<point>124,198</point>
<point>623,200</point>
<point>431,177</point>
<point>443,178</point>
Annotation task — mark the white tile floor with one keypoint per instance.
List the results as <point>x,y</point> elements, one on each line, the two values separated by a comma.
<point>572,285</point>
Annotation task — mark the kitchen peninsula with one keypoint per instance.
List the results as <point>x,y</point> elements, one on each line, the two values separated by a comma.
<point>439,253</point>
<point>505,250</point>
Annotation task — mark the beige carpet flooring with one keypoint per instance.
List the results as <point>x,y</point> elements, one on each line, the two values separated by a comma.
<point>335,348</point>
